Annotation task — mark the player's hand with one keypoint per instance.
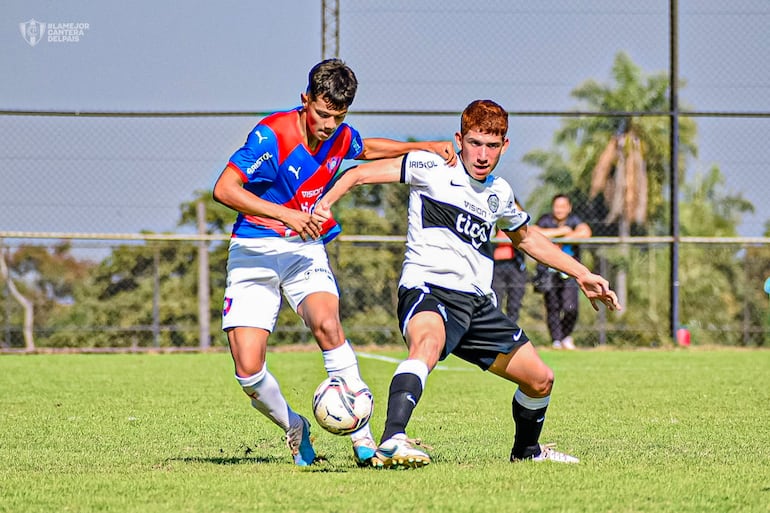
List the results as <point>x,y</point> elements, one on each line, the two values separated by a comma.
<point>445,150</point>
<point>303,223</point>
<point>322,212</point>
<point>596,289</point>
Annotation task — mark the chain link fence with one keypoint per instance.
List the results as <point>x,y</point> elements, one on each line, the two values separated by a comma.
<point>144,294</point>
<point>80,191</point>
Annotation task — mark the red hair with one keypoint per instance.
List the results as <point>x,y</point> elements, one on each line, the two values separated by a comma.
<point>484,116</point>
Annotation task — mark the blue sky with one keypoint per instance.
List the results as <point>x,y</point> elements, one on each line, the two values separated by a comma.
<point>127,175</point>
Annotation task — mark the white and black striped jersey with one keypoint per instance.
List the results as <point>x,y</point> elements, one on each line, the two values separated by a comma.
<point>452,219</point>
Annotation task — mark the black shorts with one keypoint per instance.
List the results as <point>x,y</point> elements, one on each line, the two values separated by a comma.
<point>476,330</point>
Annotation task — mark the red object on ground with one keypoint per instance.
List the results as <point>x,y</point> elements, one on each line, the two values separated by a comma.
<point>683,336</point>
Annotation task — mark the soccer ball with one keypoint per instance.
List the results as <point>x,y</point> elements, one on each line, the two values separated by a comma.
<point>342,405</point>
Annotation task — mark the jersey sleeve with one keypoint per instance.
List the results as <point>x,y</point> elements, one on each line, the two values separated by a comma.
<point>512,217</point>
<point>356,147</point>
<point>257,159</point>
<point>417,167</point>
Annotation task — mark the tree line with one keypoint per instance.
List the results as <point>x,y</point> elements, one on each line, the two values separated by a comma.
<point>615,169</point>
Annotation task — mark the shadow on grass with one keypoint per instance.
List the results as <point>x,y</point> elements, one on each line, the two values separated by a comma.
<point>227,460</point>
<point>321,464</point>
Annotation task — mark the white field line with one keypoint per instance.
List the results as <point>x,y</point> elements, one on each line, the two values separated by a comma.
<point>396,360</point>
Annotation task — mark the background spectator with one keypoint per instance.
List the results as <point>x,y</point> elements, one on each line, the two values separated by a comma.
<point>560,292</point>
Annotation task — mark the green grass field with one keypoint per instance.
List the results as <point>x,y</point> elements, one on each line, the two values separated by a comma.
<point>657,431</point>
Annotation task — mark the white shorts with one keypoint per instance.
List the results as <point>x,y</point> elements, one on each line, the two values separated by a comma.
<point>259,270</point>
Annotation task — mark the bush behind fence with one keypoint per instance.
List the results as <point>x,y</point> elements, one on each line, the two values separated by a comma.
<point>144,294</point>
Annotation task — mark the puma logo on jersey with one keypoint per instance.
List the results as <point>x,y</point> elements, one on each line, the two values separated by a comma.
<point>260,136</point>
<point>295,171</point>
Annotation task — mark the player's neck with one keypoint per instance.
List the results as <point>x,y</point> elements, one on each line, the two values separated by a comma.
<point>311,142</point>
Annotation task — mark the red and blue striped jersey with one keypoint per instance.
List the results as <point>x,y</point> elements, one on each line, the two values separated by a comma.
<point>276,165</point>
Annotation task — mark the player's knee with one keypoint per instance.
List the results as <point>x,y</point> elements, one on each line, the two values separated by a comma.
<point>427,349</point>
<point>249,367</point>
<point>543,383</point>
<point>250,380</point>
<point>326,330</point>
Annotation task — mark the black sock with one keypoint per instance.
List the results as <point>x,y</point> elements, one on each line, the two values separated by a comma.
<point>525,442</point>
<point>405,392</point>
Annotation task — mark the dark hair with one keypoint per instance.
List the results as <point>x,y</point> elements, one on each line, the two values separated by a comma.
<point>333,81</point>
<point>561,195</point>
<point>486,117</point>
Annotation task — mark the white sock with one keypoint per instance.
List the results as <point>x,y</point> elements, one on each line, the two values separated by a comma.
<point>266,397</point>
<point>416,367</point>
<point>342,361</point>
<point>531,403</point>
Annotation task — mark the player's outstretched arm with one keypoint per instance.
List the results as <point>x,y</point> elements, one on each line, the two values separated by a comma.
<point>539,247</point>
<point>378,171</point>
<point>380,148</point>
<point>597,288</point>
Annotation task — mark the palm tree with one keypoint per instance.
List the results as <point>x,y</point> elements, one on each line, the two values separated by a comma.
<point>620,175</point>
<point>616,165</point>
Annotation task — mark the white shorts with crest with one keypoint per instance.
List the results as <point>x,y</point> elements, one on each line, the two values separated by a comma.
<point>259,271</point>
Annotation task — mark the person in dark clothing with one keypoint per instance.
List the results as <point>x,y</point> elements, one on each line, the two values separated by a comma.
<point>561,294</point>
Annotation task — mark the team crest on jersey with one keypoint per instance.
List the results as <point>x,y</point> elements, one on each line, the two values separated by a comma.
<point>333,163</point>
<point>494,202</point>
<point>226,305</point>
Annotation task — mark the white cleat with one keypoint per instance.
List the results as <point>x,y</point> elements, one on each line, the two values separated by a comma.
<point>399,452</point>
<point>548,453</point>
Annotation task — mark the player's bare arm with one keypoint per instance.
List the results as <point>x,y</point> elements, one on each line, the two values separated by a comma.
<point>379,148</point>
<point>378,171</point>
<point>539,247</point>
<point>229,191</point>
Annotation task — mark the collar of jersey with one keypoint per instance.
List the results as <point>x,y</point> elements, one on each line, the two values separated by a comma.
<point>486,180</point>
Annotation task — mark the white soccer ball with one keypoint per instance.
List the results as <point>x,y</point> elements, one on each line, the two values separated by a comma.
<point>342,406</point>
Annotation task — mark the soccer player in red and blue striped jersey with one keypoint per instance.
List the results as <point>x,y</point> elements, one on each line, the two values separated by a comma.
<point>277,248</point>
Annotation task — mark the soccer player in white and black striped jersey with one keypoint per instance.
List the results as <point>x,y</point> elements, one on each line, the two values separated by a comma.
<point>445,302</point>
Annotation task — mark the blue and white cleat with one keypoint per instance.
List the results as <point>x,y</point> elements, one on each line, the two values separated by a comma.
<point>398,451</point>
<point>298,440</point>
<point>364,450</point>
